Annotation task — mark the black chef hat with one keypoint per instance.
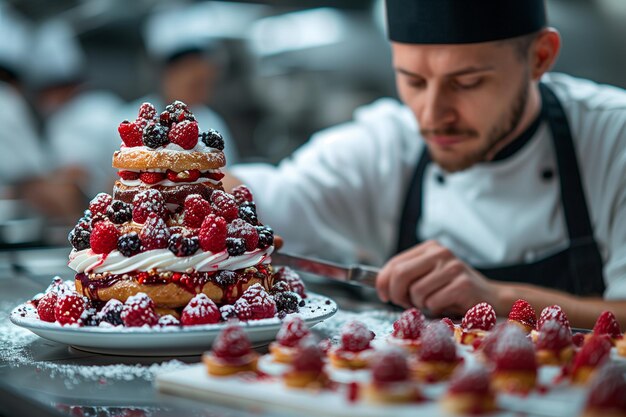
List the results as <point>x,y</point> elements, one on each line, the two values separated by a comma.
<point>462,21</point>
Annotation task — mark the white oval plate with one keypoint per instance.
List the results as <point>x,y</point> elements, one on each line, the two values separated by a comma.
<point>162,341</point>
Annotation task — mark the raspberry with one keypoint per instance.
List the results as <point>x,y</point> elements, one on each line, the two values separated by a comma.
<point>437,344</point>
<point>45,306</point>
<point>79,238</point>
<point>409,325</point>
<point>308,357</point>
<point>235,246</point>
<point>130,133</point>
<point>196,209</point>
<point>287,302</point>
<point>231,342</point>
<point>470,379</point>
<point>514,351</point>
<point>200,310</point>
<point>212,139</point>
<point>155,135</point>
<point>242,194</point>
<point>278,287</point>
<point>69,308</point>
<point>245,231</point>
<point>607,390</point>
<point>390,365</point>
<point>146,202</point>
<point>607,324</point>
<point>262,305</point>
<point>266,236</point>
<point>120,212</point>
<point>488,344</point>
<point>554,336</point>
<point>111,312</point>
<point>184,134</point>
<point>594,352</point>
<point>213,233</point>
<point>164,118</point>
<point>292,331</point>
<point>243,310</point>
<point>482,316</point>
<point>448,323</point>
<point>224,205</point>
<point>355,336</point>
<point>552,312</point>
<point>228,312</point>
<point>100,203</point>
<point>181,245</point>
<point>139,311</point>
<point>154,233</point>
<point>147,111</point>
<point>292,279</point>
<point>128,175</point>
<point>129,244</point>
<point>151,177</point>
<point>578,339</point>
<point>168,320</point>
<point>247,212</point>
<point>523,313</point>
<point>97,218</point>
<point>176,112</point>
<point>190,175</point>
<point>104,237</point>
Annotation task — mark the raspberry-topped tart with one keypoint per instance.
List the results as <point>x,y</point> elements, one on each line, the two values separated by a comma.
<point>477,321</point>
<point>407,330</point>
<point>523,315</point>
<point>515,364</point>
<point>391,382</point>
<point>231,353</point>
<point>437,357</point>
<point>469,392</point>
<point>290,334</point>
<point>594,353</point>
<point>355,351</point>
<point>607,393</point>
<point>554,344</point>
<point>607,324</point>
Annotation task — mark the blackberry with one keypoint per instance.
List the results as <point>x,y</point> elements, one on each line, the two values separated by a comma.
<point>225,278</point>
<point>247,212</point>
<point>280,286</point>
<point>228,312</point>
<point>180,245</point>
<point>129,244</point>
<point>111,312</point>
<point>266,236</point>
<point>287,301</point>
<point>89,317</point>
<point>212,139</point>
<point>120,212</point>
<point>235,245</point>
<point>79,238</point>
<point>155,135</point>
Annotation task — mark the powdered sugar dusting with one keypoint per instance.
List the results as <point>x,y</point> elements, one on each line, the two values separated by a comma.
<point>482,316</point>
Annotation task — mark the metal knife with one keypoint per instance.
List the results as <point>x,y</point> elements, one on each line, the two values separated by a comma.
<point>349,274</point>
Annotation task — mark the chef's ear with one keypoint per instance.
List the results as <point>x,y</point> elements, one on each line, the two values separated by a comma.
<point>544,51</point>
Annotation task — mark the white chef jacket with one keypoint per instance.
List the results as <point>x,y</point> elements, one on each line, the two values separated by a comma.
<point>341,195</point>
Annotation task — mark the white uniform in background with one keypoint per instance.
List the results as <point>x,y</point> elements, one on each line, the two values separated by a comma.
<point>341,195</point>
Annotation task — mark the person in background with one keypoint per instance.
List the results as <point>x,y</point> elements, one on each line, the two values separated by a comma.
<point>189,60</point>
<point>494,180</point>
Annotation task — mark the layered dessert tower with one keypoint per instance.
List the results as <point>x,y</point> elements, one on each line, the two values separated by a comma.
<point>170,231</point>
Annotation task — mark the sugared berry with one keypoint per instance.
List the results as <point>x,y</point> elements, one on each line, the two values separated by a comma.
<point>266,237</point>
<point>213,139</point>
<point>146,202</point>
<point>147,111</point>
<point>292,331</point>
<point>130,133</point>
<point>100,203</point>
<point>261,303</point>
<point>120,212</point>
<point>292,279</point>
<point>232,342</point>
<point>69,308</point>
<point>111,312</point>
<point>89,317</point>
<point>235,246</point>
<point>355,336</point>
<point>155,135</point>
<point>242,194</point>
<point>228,312</point>
<point>129,244</point>
<point>213,233</point>
<point>181,245</point>
<point>287,302</point>
<point>200,310</point>
<point>247,212</point>
<point>195,210</point>
<point>225,278</point>
<point>79,238</point>
<point>45,306</point>
<point>224,205</point>
<point>238,228</point>
<point>184,134</point>
<point>154,233</point>
<point>279,286</point>
<point>104,237</point>
<point>139,311</point>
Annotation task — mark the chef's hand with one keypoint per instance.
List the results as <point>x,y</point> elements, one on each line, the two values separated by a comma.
<point>429,276</point>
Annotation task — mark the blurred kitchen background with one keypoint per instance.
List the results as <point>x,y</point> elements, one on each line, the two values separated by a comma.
<point>265,73</point>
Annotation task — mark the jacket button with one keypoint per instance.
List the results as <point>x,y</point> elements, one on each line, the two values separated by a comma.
<point>547,174</point>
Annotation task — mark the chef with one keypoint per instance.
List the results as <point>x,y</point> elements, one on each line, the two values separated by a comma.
<point>494,180</point>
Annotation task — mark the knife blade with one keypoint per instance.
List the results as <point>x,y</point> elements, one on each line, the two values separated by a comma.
<point>350,274</point>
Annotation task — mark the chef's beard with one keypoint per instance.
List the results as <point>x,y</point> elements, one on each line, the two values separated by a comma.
<point>500,132</point>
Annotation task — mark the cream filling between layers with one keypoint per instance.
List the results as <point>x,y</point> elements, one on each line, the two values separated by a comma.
<point>167,183</point>
<point>164,260</point>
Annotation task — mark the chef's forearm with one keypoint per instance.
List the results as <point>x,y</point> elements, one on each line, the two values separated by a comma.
<point>581,311</point>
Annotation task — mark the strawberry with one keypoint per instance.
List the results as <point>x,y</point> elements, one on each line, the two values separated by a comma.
<point>128,175</point>
<point>239,228</point>
<point>552,312</point>
<point>292,331</point>
<point>355,337</point>
<point>242,194</point>
<point>594,352</point>
<point>195,210</point>
<point>100,203</point>
<point>213,233</point>
<point>523,313</point>
<point>200,310</point>
<point>607,324</point>
<point>46,305</point>
<point>231,343</point>
<point>139,311</point>
<point>215,176</point>
<point>104,237</point>
<point>607,390</point>
<point>514,351</point>
<point>554,336</point>
<point>147,111</point>
<point>482,317</point>
<point>69,307</point>
<point>151,178</point>
<point>409,325</point>
<point>154,233</point>
<point>190,175</point>
<point>130,133</point>
<point>390,365</point>
<point>146,202</point>
<point>470,379</point>
<point>224,205</point>
<point>437,344</point>
<point>262,305</point>
<point>308,357</point>
<point>184,134</point>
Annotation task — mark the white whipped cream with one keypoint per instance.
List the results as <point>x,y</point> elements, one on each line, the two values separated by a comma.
<point>167,183</point>
<point>172,147</point>
<point>163,259</point>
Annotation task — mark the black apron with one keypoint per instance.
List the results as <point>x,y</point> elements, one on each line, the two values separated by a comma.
<point>577,269</point>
